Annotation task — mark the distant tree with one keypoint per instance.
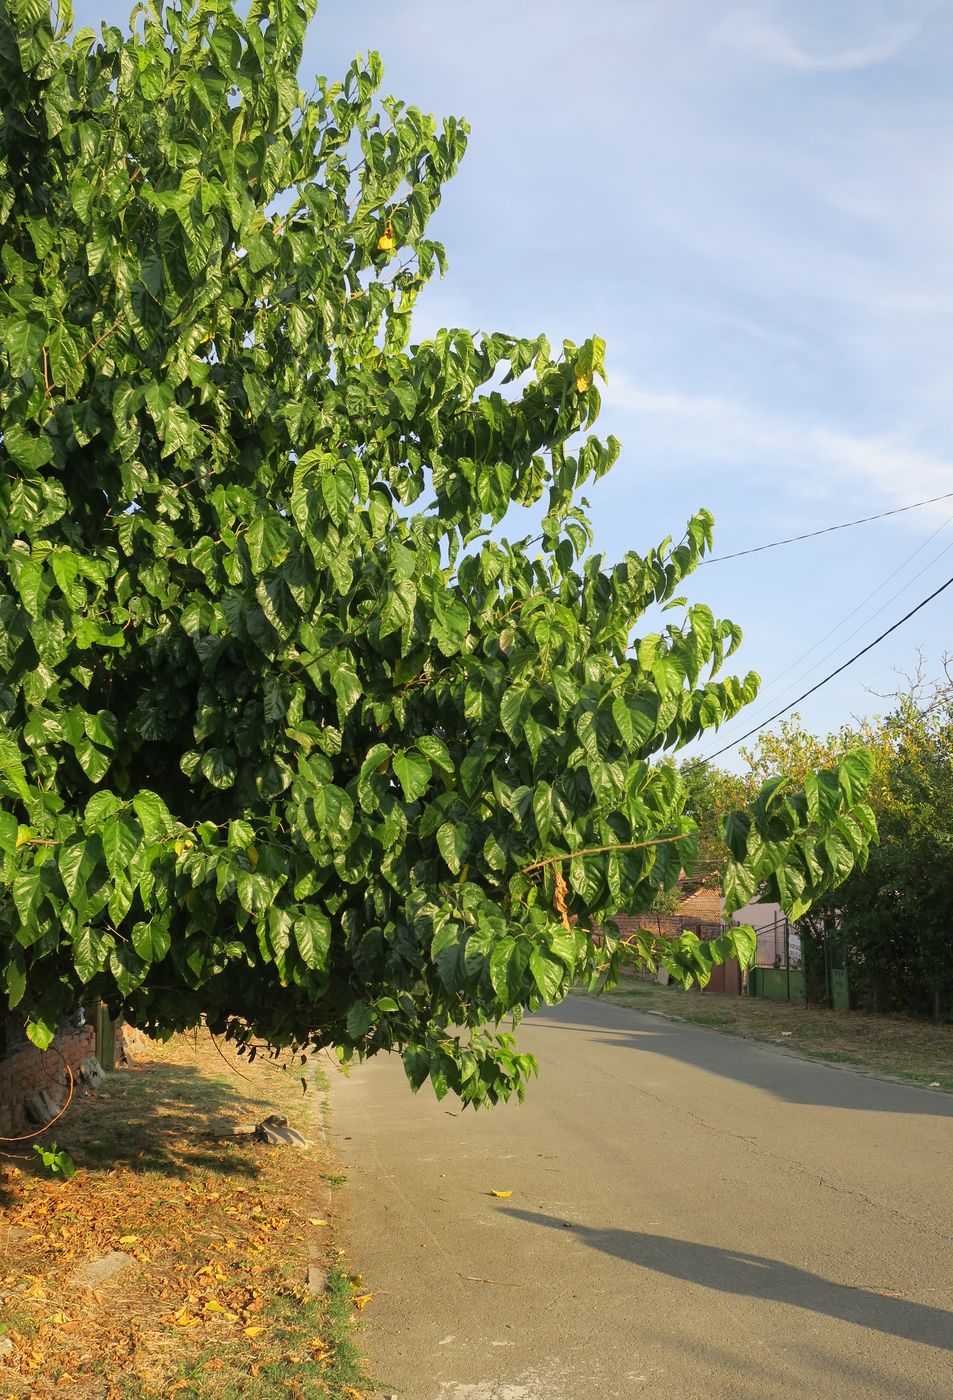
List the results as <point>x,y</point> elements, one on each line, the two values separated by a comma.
<point>291,738</point>
<point>711,793</point>
<point>889,923</point>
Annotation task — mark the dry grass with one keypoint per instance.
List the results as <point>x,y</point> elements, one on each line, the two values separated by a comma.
<point>219,1234</point>
<point>892,1047</point>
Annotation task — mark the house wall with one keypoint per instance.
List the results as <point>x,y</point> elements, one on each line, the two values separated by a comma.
<point>768,921</point>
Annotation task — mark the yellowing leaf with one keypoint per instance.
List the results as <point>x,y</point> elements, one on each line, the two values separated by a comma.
<point>582,383</point>
<point>385,243</point>
<point>361,1300</point>
<point>501,1195</point>
<point>128,1239</point>
<point>215,1307</point>
<point>185,1319</point>
<point>254,1331</point>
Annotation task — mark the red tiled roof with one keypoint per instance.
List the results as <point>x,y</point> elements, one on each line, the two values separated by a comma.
<point>703,904</point>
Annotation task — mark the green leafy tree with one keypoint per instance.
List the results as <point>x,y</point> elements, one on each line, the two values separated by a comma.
<point>889,922</point>
<point>292,737</point>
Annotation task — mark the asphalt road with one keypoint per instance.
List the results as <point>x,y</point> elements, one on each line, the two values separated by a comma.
<point>691,1215</point>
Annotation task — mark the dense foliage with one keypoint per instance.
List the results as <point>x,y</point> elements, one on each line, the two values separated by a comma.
<point>292,737</point>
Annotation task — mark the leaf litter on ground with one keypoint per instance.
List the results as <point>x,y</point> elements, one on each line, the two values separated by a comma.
<point>203,1243</point>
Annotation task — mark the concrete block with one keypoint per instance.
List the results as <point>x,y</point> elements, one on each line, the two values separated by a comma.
<point>94,1273</point>
<point>42,1108</point>
<point>91,1072</point>
<point>274,1129</point>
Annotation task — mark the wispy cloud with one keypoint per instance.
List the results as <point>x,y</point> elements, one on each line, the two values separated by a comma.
<point>819,460</point>
<point>756,33</point>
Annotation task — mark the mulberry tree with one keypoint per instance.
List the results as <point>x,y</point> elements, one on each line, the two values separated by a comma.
<point>295,736</point>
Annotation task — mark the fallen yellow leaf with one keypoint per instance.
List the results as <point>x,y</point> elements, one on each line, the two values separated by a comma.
<point>128,1239</point>
<point>185,1319</point>
<point>254,1331</point>
<point>361,1300</point>
<point>312,1220</point>
<point>213,1306</point>
<point>501,1194</point>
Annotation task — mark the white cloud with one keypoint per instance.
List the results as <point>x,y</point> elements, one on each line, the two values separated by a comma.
<point>756,33</point>
<point>819,460</point>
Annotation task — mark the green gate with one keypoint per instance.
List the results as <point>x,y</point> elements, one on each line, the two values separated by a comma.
<point>777,984</point>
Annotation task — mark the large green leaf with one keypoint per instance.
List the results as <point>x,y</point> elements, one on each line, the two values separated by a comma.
<point>413,772</point>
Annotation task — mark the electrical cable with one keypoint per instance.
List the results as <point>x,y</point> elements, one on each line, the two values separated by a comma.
<point>759,709</point>
<point>828,529</point>
<point>814,688</point>
<point>854,611</point>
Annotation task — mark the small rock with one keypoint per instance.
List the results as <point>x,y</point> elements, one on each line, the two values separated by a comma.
<point>935,1084</point>
<point>96,1272</point>
<point>6,1346</point>
<point>317,1279</point>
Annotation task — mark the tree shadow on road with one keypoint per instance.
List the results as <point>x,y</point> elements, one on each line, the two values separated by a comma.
<point>754,1276</point>
<point>774,1070</point>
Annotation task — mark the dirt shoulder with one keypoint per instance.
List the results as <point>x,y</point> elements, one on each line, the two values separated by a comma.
<point>889,1046</point>
<point>176,1261</point>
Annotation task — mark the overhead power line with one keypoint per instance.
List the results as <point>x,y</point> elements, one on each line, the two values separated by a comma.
<point>856,657</point>
<point>759,709</point>
<point>828,529</point>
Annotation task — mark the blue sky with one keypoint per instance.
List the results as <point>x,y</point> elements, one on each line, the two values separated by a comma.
<point>753,205</point>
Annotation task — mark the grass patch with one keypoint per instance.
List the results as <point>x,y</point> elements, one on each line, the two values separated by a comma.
<point>893,1047</point>
<point>215,1234</point>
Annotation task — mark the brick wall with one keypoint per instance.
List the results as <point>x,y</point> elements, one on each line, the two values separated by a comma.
<point>667,925</point>
<point>24,1070</point>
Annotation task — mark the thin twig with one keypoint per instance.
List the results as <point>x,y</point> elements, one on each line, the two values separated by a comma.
<point>233,1068</point>
<point>601,850</point>
<point>114,327</point>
